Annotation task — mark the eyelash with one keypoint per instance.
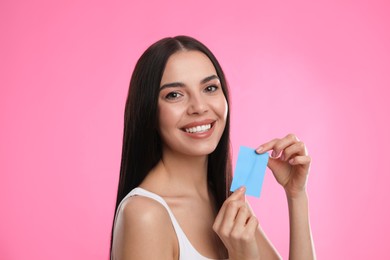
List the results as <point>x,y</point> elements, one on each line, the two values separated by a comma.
<point>170,95</point>
<point>174,95</point>
<point>215,88</point>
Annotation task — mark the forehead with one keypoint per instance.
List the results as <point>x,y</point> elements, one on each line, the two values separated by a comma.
<point>184,66</point>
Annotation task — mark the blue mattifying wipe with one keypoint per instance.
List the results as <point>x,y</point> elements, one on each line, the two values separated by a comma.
<point>250,171</point>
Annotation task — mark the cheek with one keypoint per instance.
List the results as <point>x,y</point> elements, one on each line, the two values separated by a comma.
<point>222,107</point>
<point>168,116</point>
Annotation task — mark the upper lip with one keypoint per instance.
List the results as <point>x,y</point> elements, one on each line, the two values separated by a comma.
<point>199,123</point>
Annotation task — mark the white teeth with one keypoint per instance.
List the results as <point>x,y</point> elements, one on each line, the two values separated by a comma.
<point>198,129</point>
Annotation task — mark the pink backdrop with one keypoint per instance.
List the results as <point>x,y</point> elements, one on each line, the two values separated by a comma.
<point>320,70</point>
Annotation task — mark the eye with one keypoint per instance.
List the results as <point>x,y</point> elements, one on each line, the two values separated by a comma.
<point>173,95</point>
<point>211,88</point>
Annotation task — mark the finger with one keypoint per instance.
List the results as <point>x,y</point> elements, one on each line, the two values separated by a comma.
<point>277,165</point>
<point>232,211</point>
<point>236,195</point>
<point>283,143</point>
<point>277,145</point>
<point>249,207</point>
<point>279,169</point>
<point>298,148</point>
<point>240,222</point>
<point>300,160</point>
<point>229,218</point>
<point>267,146</point>
<point>243,215</point>
<point>251,227</point>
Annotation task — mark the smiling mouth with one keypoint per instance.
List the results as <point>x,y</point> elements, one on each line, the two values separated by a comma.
<point>199,128</point>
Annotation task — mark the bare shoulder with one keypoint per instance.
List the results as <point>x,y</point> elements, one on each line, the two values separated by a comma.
<point>143,210</point>
<point>143,230</point>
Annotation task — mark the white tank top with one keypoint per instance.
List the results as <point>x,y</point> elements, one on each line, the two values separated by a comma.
<point>186,250</point>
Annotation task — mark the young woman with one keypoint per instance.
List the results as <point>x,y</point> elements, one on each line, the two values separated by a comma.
<point>173,197</point>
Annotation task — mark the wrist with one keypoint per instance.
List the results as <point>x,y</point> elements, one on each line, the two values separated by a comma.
<point>243,258</point>
<point>297,195</point>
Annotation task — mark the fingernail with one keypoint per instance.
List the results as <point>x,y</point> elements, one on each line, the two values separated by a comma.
<point>282,157</point>
<point>291,161</point>
<point>273,154</point>
<point>260,149</point>
<point>241,189</point>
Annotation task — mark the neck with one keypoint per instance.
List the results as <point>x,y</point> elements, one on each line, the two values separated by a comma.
<point>184,173</point>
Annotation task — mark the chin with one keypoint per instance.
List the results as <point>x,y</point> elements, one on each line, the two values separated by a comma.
<point>200,150</point>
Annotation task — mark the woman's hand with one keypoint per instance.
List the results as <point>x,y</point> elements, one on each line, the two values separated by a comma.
<point>236,225</point>
<point>289,162</point>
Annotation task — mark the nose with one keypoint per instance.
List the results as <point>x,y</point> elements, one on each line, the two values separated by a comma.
<point>197,104</point>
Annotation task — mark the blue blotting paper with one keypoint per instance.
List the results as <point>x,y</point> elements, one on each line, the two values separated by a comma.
<point>250,171</point>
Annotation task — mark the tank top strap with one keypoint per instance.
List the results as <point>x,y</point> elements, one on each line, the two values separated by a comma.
<point>186,250</point>
<point>142,192</point>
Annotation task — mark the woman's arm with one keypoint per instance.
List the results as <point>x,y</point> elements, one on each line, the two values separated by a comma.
<point>267,250</point>
<point>143,231</point>
<point>301,242</point>
<point>290,164</point>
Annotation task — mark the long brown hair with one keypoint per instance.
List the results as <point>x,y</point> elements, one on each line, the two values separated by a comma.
<point>142,149</point>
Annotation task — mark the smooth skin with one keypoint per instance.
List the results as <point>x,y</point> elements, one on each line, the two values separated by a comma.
<point>189,93</point>
<point>290,164</point>
<point>236,223</point>
<point>144,229</point>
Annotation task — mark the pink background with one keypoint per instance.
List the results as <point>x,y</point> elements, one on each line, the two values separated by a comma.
<point>319,70</point>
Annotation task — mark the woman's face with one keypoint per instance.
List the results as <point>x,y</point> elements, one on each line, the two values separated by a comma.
<point>192,108</point>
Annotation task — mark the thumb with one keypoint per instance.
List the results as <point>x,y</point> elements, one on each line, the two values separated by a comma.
<point>238,194</point>
<point>274,164</point>
<point>278,166</point>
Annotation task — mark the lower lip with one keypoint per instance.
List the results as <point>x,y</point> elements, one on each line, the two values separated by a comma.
<point>201,135</point>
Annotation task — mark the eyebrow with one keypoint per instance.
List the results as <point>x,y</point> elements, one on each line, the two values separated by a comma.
<point>180,84</point>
